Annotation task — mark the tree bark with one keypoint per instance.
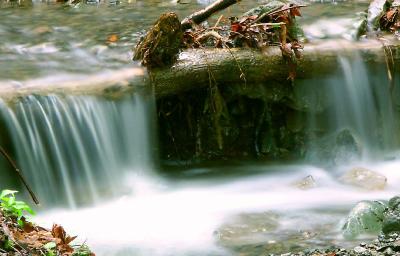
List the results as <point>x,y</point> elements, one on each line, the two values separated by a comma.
<point>199,68</point>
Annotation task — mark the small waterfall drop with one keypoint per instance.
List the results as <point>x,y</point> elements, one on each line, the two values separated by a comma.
<point>361,105</point>
<point>78,148</point>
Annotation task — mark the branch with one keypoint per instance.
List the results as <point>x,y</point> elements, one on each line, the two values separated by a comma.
<point>202,15</point>
<point>12,163</point>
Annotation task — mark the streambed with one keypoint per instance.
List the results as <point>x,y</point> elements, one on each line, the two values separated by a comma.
<point>200,214</point>
<point>133,205</point>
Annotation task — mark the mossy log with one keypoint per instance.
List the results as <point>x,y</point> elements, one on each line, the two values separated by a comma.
<point>200,67</point>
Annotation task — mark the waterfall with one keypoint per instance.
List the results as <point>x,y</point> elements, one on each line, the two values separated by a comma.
<point>76,149</point>
<point>360,104</point>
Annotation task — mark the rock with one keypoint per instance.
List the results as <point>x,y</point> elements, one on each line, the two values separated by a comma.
<point>364,178</point>
<point>365,217</point>
<point>360,249</point>
<point>391,223</point>
<point>346,148</point>
<point>394,203</point>
<point>391,220</point>
<point>335,149</point>
<point>305,183</point>
<point>240,227</point>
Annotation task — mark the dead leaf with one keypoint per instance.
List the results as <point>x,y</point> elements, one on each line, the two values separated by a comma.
<point>295,12</point>
<point>112,38</point>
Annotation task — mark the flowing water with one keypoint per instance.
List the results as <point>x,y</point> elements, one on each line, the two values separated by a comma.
<point>92,161</point>
<point>90,141</point>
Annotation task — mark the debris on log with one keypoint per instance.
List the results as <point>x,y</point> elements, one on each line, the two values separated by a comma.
<point>272,24</point>
<point>202,15</point>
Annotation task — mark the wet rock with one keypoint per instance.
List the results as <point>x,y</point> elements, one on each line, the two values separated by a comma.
<point>391,221</point>
<point>360,249</point>
<point>364,178</point>
<point>305,183</point>
<point>247,225</point>
<point>339,148</point>
<point>365,217</point>
<point>346,147</point>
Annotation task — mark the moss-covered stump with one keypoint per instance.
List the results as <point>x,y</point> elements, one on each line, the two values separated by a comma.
<point>162,43</point>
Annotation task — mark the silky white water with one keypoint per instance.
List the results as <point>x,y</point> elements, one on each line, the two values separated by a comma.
<point>75,149</point>
<point>162,217</point>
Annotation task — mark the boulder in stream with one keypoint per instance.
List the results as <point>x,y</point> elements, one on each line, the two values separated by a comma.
<point>364,178</point>
<point>365,217</point>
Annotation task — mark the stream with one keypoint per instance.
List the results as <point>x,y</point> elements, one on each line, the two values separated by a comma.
<point>93,161</point>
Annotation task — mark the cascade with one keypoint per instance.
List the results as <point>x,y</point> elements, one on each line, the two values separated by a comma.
<point>361,103</point>
<point>74,149</point>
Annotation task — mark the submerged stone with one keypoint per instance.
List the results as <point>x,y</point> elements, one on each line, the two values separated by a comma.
<point>364,178</point>
<point>306,183</point>
<point>365,217</point>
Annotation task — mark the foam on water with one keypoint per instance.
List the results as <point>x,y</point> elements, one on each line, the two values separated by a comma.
<point>175,218</point>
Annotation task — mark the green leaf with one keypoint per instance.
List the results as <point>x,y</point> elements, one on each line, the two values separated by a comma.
<point>22,206</point>
<point>7,192</point>
<point>11,201</point>
<point>20,223</point>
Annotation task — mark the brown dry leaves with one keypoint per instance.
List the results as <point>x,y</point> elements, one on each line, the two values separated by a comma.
<point>31,239</point>
<point>390,21</point>
<point>253,32</point>
<point>62,240</point>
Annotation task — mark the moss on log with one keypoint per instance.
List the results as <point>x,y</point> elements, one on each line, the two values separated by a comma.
<point>198,67</point>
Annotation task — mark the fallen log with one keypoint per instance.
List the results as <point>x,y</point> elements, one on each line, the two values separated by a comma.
<point>200,67</point>
<point>193,69</point>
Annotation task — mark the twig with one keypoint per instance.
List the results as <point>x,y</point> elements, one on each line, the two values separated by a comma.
<point>277,11</point>
<point>268,24</point>
<point>202,15</point>
<point>218,21</point>
<point>12,163</point>
<point>242,75</point>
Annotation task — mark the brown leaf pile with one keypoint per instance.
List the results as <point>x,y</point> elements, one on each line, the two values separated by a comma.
<point>31,239</point>
<point>252,31</point>
<point>390,21</point>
